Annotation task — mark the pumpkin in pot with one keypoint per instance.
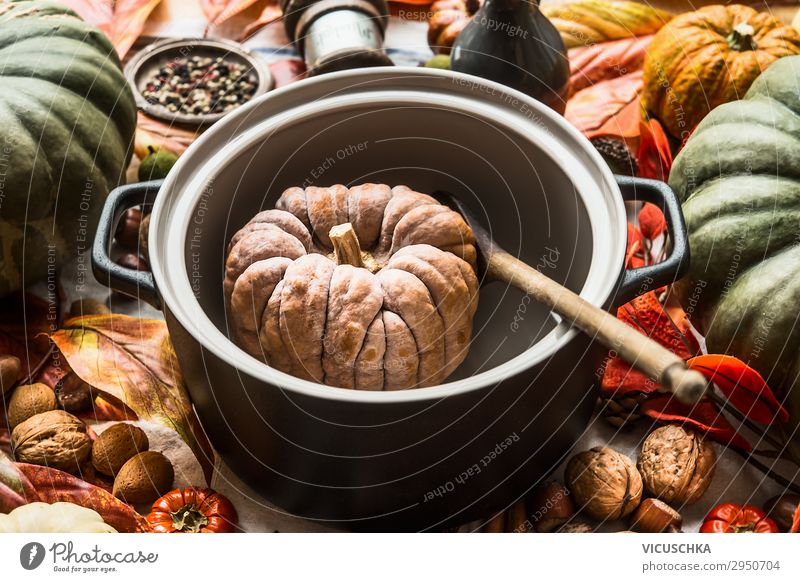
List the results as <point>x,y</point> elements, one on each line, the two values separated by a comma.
<point>738,177</point>
<point>708,57</point>
<point>304,296</point>
<point>67,120</point>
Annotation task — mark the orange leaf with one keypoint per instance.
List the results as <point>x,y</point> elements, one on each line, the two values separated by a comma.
<point>608,108</point>
<point>648,316</point>
<point>703,416</point>
<point>594,63</point>
<point>15,489</point>
<point>53,485</point>
<point>133,360</point>
<point>121,20</point>
<point>744,388</point>
<point>271,13</point>
<point>796,521</point>
<point>218,11</point>
<point>151,132</point>
<point>655,155</point>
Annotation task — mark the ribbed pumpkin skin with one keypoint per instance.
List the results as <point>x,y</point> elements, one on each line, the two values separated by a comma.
<point>691,65</point>
<point>67,120</point>
<point>739,179</point>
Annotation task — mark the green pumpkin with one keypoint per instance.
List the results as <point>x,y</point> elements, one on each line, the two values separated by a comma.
<point>67,121</point>
<point>738,177</point>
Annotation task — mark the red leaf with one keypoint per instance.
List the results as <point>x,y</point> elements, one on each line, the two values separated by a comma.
<point>703,416</point>
<point>651,221</point>
<point>655,155</point>
<point>608,108</point>
<point>271,13</point>
<point>796,521</point>
<point>647,315</point>
<point>15,489</point>
<point>635,255</point>
<point>742,386</point>
<point>218,11</point>
<point>602,61</point>
<point>287,71</point>
<point>121,20</point>
<point>53,485</point>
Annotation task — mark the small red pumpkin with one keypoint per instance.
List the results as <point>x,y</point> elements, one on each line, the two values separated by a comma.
<point>193,510</point>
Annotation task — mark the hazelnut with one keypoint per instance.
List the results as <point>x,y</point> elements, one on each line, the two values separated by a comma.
<point>29,400</point>
<point>10,368</point>
<point>132,261</point>
<point>655,516</point>
<point>73,394</point>
<point>115,445</point>
<point>144,478</point>
<point>576,527</point>
<point>677,464</point>
<point>144,231</point>
<point>127,234</point>
<point>54,439</point>
<point>782,508</point>
<point>604,483</point>
<point>551,506</point>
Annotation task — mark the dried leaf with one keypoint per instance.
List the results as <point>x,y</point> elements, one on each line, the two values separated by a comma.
<point>635,255</point>
<point>133,360</point>
<point>272,13</point>
<point>655,155</point>
<point>122,20</point>
<point>704,417</point>
<point>608,108</point>
<point>744,388</point>
<point>647,315</point>
<point>287,71</point>
<point>151,132</point>
<point>53,485</point>
<point>796,521</point>
<point>592,64</point>
<point>15,489</point>
<point>218,11</point>
<point>651,221</point>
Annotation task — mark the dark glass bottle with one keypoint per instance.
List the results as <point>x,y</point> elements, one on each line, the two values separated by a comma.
<point>513,43</point>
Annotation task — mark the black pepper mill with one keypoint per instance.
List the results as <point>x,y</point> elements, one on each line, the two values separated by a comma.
<point>513,43</point>
<point>333,35</point>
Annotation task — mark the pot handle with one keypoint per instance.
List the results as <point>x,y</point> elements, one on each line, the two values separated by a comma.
<point>638,281</point>
<point>139,284</point>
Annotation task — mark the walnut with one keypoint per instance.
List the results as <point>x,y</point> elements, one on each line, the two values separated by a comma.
<point>604,483</point>
<point>677,464</point>
<point>55,439</point>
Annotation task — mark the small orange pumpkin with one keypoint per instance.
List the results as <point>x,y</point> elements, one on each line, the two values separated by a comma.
<point>708,57</point>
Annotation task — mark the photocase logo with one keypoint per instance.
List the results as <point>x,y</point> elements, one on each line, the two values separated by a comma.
<point>31,555</point>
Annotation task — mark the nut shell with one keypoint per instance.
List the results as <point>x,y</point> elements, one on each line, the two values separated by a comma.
<point>115,445</point>
<point>604,483</point>
<point>9,372</point>
<point>144,478</point>
<point>29,400</point>
<point>55,439</point>
<point>677,464</point>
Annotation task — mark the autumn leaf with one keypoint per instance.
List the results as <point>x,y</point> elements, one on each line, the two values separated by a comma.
<point>647,315</point>
<point>151,132</point>
<point>287,71</point>
<point>15,489</point>
<point>53,485</point>
<point>271,13</point>
<point>218,11</point>
<point>592,64</point>
<point>796,521</point>
<point>635,253</point>
<point>122,20</point>
<point>654,155</point>
<point>744,387</point>
<point>608,108</point>
<point>704,417</point>
<point>132,360</point>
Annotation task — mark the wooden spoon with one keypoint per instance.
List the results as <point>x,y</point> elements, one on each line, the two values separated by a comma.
<point>646,355</point>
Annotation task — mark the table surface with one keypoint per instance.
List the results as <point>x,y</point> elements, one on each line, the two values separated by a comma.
<point>735,480</point>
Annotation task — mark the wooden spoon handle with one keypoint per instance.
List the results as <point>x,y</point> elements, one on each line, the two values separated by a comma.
<point>640,351</point>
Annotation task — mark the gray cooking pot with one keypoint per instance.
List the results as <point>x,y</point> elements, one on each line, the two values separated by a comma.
<point>416,459</point>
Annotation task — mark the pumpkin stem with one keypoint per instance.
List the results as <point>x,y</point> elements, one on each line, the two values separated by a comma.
<point>345,245</point>
<point>741,38</point>
<point>188,518</point>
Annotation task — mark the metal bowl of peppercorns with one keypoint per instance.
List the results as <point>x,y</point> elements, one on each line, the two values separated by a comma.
<point>194,81</point>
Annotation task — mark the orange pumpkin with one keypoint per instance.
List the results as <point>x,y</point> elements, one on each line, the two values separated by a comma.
<point>708,57</point>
